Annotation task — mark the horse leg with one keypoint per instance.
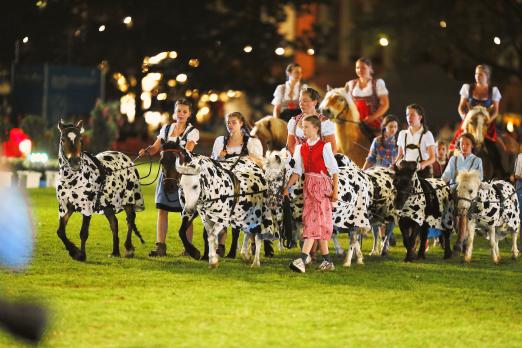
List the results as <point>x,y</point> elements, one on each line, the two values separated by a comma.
<point>257,260</point>
<point>233,246</point>
<point>406,231</point>
<point>213,235</point>
<point>358,251</point>
<point>349,254</point>
<point>244,249</point>
<point>205,242</point>
<point>376,237</point>
<point>113,223</point>
<point>423,238</point>
<point>514,248</point>
<point>447,244</point>
<point>469,244</point>
<point>84,234</point>
<point>494,245</point>
<point>186,220</point>
<point>130,218</point>
<point>73,250</point>
<point>337,245</point>
<point>269,249</point>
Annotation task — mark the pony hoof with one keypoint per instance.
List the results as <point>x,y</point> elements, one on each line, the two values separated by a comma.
<point>360,262</point>
<point>80,257</point>
<point>204,257</point>
<point>467,259</point>
<point>129,254</point>
<point>231,255</point>
<point>255,265</point>
<point>114,255</point>
<point>194,253</point>
<point>213,265</point>
<point>245,257</point>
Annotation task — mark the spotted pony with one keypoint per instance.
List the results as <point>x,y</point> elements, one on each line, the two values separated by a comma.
<point>225,198</point>
<point>489,208</point>
<point>103,184</point>
<point>350,212</point>
<point>421,204</point>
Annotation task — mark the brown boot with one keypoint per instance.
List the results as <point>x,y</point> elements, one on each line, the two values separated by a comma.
<point>159,251</point>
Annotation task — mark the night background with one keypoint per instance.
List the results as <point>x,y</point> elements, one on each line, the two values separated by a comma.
<point>119,66</point>
<point>138,57</point>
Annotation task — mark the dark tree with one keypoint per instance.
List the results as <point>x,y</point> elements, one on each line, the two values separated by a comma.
<point>455,34</point>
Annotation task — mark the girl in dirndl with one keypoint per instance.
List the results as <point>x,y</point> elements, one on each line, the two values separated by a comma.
<point>315,159</point>
<point>286,96</point>
<point>188,137</point>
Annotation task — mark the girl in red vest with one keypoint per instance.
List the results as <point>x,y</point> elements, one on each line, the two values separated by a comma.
<point>315,159</point>
<point>369,95</point>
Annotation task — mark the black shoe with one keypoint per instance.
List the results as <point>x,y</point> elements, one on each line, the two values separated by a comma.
<point>159,251</point>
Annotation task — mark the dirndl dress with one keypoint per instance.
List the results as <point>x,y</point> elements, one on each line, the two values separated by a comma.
<point>317,211</point>
<point>169,202</point>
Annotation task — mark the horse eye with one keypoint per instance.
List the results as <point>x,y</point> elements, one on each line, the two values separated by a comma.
<point>194,187</point>
<point>470,191</point>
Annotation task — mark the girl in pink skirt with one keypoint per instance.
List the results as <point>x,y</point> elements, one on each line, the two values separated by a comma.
<point>315,159</point>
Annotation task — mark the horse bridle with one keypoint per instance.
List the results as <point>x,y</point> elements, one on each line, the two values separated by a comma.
<point>342,120</point>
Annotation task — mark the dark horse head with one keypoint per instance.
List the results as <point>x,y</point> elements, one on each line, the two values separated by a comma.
<point>71,143</point>
<point>171,152</point>
<point>403,183</point>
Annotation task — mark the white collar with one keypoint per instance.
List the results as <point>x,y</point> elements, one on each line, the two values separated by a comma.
<point>312,142</point>
<point>421,129</point>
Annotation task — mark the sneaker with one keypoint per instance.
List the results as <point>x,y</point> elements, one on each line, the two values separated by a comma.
<point>298,266</point>
<point>326,266</point>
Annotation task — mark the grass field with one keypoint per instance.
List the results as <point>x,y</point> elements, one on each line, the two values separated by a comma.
<point>179,302</point>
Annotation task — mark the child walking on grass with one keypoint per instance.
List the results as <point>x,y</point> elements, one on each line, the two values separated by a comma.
<point>315,159</point>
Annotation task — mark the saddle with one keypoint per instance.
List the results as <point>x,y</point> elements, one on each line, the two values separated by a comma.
<point>432,203</point>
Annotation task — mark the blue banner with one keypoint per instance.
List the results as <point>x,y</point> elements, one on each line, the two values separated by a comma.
<point>55,91</point>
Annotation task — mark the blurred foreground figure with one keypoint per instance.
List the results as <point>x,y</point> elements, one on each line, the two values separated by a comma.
<point>23,320</point>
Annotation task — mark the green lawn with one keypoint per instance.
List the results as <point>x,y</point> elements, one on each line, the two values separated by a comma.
<point>179,302</point>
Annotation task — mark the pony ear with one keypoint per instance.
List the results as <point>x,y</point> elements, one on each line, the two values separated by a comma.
<point>61,124</point>
<point>253,131</point>
<point>79,125</point>
<point>328,88</point>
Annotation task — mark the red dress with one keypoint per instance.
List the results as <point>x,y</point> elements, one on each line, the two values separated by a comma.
<point>317,211</point>
<point>367,105</point>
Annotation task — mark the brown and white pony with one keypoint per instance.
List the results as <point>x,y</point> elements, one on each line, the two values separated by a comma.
<point>272,132</point>
<point>351,140</point>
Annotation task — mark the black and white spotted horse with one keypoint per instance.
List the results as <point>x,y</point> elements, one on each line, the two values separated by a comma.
<point>103,184</point>
<point>224,198</point>
<point>421,204</point>
<point>489,208</point>
<point>382,210</point>
<point>350,213</point>
<point>170,152</point>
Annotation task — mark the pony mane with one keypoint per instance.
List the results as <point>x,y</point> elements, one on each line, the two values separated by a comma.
<point>342,92</point>
<point>471,177</point>
<point>471,113</point>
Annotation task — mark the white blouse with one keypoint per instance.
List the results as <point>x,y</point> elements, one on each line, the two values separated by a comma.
<point>278,93</point>
<point>356,91</point>
<point>192,136</point>
<point>328,157</point>
<point>413,138</point>
<point>495,93</point>
<point>327,128</point>
<point>254,147</point>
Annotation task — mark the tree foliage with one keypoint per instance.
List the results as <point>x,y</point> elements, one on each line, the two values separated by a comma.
<point>455,34</point>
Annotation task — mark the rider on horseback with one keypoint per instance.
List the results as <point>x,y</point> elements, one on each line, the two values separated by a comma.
<point>370,96</point>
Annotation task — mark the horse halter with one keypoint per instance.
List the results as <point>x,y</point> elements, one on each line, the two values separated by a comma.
<point>77,132</point>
